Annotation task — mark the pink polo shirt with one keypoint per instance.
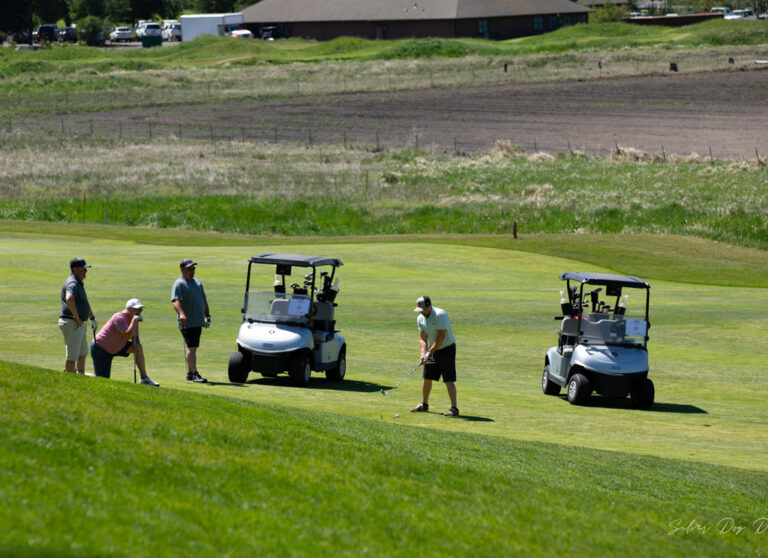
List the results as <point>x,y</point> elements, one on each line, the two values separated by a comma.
<point>110,338</point>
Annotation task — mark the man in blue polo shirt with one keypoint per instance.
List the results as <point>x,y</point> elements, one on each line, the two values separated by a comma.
<point>438,353</point>
<point>75,310</point>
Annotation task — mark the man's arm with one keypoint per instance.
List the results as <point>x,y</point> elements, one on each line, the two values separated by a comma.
<point>69,299</point>
<point>133,329</point>
<point>182,316</point>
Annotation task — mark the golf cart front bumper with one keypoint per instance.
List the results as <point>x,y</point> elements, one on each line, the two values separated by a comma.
<point>612,370</point>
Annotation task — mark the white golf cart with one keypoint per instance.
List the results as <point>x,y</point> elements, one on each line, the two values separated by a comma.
<point>600,347</point>
<point>291,329</point>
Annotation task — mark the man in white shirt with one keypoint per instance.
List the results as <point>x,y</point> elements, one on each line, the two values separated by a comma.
<point>438,353</point>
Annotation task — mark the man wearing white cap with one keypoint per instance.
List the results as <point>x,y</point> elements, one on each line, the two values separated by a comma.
<point>120,337</point>
<point>438,353</point>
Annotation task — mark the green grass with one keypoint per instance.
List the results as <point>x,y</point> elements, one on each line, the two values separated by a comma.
<point>212,70</point>
<point>93,467</point>
<point>329,190</point>
<point>706,347</point>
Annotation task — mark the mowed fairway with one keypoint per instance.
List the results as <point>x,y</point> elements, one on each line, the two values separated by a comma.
<point>707,350</point>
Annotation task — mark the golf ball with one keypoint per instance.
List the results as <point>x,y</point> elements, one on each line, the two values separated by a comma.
<point>397,416</point>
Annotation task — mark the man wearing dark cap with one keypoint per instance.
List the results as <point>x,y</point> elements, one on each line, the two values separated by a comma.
<point>188,299</point>
<point>438,353</point>
<point>75,310</point>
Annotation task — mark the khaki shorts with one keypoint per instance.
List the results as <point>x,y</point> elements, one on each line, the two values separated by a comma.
<point>75,338</point>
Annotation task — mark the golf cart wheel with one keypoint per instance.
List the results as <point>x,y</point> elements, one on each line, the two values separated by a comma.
<point>547,386</point>
<point>300,371</point>
<point>239,367</point>
<point>642,395</point>
<point>337,374</point>
<point>579,389</point>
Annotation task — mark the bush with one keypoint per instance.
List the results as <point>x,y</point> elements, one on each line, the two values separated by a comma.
<point>609,13</point>
<point>91,31</point>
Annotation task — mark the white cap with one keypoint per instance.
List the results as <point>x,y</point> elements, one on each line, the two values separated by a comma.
<point>422,303</point>
<point>134,303</point>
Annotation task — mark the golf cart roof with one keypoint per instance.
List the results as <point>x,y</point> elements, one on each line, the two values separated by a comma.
<point>607,279</point>
<point>295,260</point>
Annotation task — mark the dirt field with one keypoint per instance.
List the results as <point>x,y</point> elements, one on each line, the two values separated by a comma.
<point>726,112</point>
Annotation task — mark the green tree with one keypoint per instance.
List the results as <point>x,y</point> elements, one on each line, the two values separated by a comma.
<point>80,9</point>
<point>214,6</point>
<point>117,11</point>
<point>608,13</point>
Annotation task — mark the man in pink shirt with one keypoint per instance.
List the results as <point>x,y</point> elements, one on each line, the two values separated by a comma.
<point>120,337</point>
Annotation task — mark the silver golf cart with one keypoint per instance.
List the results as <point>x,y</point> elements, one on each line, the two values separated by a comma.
<point>291,328</point>
<point>600,347</point>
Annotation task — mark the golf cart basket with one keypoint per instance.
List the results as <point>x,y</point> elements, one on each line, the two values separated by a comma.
<point>587,320</point>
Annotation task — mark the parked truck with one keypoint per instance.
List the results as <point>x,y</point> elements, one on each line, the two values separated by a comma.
<point>196,25</point>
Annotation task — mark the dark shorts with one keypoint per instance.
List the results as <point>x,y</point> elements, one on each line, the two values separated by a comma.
<point>444,365</point>
<point>102,360</point>
<point>192,336</point>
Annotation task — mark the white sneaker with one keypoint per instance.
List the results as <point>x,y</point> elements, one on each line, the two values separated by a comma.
<point>147,381</point>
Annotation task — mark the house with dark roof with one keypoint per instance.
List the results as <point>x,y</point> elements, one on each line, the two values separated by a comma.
<point>396,19</point>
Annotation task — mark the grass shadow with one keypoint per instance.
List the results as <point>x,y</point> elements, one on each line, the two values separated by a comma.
<point>468,418</point>
<point>626,403</point>
<point>321,384</point>
<point>210,383</point>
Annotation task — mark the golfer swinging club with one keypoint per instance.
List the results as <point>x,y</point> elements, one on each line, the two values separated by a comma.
<point>438,353</point>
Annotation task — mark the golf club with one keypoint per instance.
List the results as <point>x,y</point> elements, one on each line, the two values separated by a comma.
<point>387,392</point>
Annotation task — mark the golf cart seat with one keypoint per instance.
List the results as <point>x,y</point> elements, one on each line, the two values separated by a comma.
<point>323,321</point>
<point>569,330</point>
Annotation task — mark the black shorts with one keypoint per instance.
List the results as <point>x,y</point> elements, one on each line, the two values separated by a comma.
<point>444,365</point>
<point>192,336</point>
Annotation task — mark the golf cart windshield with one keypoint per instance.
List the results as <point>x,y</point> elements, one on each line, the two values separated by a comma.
<point>267,306</point>
<point>613,329</point>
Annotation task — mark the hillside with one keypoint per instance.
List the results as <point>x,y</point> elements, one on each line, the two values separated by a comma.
<point>93,467</point>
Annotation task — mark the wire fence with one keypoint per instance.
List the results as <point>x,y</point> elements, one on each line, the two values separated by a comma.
<point>363,136</point>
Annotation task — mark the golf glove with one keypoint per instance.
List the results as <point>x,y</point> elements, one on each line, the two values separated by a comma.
<point>207,323</point>
<point>139,318</point>
<point>94,324</point>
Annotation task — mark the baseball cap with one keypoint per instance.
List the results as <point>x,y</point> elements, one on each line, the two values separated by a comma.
<point>422,303</point>
<point>134,303</point>
<point>186,262</point>
<point>78,262</point>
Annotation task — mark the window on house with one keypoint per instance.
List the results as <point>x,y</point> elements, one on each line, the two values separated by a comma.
<point>552,22</point>
<point>538,23</point>
<point>482,27</point>
<point>567,20</point>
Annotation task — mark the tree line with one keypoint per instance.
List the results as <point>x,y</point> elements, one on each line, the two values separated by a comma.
<point>25,15</point>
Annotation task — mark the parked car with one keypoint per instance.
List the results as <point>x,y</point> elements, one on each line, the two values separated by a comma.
<point>741,14</point>
<point>763,15</point>
<point>48,33</point>
<point>148,29</point>
<point>121,34</point>
<point>67,35</point>
<point>724,11</point>
<point>270,32</point>
<point>172,32</point>
<point>240,34</point>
